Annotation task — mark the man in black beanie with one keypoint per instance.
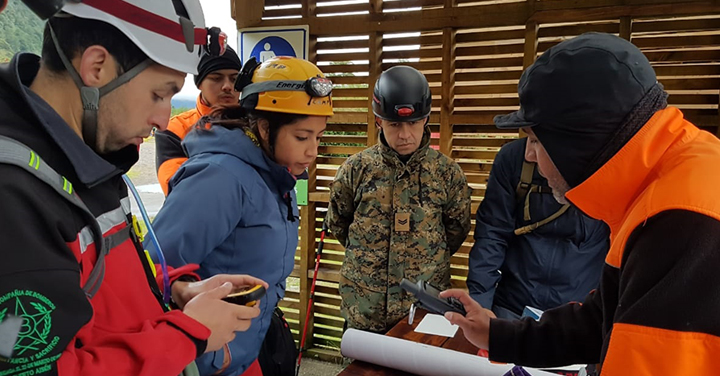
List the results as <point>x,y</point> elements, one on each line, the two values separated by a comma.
<point>603,135</point>
<point>215,79</point>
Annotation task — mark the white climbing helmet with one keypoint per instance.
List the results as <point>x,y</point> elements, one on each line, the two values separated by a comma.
<point>171,32</point>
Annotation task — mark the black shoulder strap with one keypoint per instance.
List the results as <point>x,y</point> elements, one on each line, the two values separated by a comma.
<point>522,193</point>
<point>17,154</point>
<point>523,187</point>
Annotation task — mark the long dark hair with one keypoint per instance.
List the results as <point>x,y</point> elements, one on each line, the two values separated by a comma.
<point>237,117</point>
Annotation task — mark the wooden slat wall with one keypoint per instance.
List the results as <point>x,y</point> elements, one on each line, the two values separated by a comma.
<point>473,69</point>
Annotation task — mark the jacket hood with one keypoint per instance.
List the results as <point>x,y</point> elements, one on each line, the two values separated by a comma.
<point>220,140</point>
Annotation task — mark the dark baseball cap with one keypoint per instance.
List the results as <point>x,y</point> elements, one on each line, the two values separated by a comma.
<point>592,78</point>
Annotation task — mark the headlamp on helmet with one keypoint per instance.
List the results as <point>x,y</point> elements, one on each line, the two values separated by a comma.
<point>318,87</point>
<point>404,110</point>
<point>285,84</point>
<point>315,87</point>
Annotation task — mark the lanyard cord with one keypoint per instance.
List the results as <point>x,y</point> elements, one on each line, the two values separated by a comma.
<point>153,238</point>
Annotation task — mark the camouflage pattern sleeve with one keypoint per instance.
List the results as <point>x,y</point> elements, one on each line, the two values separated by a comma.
<point>342,206</point>
<point>456,214</point>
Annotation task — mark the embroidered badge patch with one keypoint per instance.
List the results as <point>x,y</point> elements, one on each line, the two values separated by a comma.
<point>34,342</point>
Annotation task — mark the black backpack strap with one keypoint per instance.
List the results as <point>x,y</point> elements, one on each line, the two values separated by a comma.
<point>522,193</point>
<point>531,227</point>
<point>17,154</point>
<point>526,175</point>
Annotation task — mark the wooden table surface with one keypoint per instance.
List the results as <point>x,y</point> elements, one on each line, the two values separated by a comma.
<point>404,331</point>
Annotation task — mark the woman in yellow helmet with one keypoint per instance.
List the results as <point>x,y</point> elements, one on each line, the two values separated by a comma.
<point>231,207</point>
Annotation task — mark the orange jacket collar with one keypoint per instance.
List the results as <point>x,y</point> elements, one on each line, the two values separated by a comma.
<point>202,108</point>
<point>609,193</point>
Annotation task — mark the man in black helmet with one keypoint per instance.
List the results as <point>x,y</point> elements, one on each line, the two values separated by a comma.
<point>400,208</point>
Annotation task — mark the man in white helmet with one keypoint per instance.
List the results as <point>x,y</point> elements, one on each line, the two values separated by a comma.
<point>75,283</point>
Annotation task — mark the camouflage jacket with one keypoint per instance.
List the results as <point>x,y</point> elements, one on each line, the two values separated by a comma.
<point>372,191</point>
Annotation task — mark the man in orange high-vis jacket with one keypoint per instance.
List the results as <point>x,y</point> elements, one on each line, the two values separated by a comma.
<point>215,79</point>
<point>604,137</point>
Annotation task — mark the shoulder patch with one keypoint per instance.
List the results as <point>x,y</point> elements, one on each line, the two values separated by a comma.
<point>34,342</point>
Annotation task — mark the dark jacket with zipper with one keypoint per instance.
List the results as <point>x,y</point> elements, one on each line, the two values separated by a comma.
<point>557,263</point>
<point>123,329</point>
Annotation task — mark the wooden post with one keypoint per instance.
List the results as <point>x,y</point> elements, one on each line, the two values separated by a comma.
<point>308,9</point>
<point>375,44</point>
<point>531,43</point>
<point>307,263</point>
<point>626,28</point>
<point>308,214</point>
<point>247,13</point>
<point>447,107</point>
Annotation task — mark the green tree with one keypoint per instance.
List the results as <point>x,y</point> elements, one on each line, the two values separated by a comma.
<point>20,31</point>
<point>179,110</point>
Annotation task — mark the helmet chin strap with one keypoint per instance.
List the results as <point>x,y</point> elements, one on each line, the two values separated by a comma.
<point>91,95</point>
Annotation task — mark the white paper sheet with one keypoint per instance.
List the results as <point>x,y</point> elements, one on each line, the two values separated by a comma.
<point>437,325</point>
<point>417,358</point>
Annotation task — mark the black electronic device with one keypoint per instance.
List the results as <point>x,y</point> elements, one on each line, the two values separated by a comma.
<point>428,298</point>
<point>246,296</point>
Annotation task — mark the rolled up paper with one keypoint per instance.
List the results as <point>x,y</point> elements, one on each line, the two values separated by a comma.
<point>418,358</point>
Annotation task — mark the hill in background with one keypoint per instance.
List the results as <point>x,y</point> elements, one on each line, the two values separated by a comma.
<point>20,30</point>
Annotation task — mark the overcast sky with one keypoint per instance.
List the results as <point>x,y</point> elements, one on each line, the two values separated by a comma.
<point>217,13</point>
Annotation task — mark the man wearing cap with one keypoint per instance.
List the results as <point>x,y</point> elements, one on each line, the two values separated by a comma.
<point>400,208</point>
<point>215,79</point>
<point>604,137</point>
<point>531,251</point>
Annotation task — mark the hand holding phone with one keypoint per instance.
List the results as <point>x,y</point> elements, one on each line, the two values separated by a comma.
<point>246,296</point>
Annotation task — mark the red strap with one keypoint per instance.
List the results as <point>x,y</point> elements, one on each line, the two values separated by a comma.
<point>146,20</point>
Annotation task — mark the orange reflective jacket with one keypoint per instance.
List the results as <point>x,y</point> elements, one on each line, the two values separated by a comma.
<point>656,309</point>
<point>169,152</point>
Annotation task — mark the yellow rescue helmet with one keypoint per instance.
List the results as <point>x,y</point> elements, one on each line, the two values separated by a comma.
<point>285,84</point>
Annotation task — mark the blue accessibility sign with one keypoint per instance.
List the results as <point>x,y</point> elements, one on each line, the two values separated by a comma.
<point>266,43</point>
<point>270,47</point>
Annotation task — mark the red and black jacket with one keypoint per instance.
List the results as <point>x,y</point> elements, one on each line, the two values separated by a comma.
<point>47,256</point>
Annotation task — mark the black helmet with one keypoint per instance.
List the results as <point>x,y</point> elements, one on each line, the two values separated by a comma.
<point>402,93</point>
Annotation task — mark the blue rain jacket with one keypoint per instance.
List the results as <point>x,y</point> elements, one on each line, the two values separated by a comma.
<point>232,210</point>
